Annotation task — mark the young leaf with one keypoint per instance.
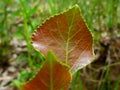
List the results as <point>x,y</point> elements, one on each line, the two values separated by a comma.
<point>53,76</point>
<point>68,36</point>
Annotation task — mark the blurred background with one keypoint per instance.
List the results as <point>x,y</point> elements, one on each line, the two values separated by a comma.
<point>18,20</point>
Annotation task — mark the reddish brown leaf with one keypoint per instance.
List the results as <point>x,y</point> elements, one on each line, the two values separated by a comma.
<point>52,76</point>
<point>68,36</point>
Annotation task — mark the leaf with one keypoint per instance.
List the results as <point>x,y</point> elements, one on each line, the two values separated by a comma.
<point>52,76</point>
<point>68,36</point>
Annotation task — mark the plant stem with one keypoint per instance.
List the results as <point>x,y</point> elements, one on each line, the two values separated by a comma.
<point>26,35</point>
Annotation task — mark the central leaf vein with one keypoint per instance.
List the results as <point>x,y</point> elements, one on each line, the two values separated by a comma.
<point>51,75</point>
<point>68,38</point>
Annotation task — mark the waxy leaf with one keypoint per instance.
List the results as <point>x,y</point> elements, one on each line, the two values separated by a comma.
<point>53,75</point>
<point>68,36</point>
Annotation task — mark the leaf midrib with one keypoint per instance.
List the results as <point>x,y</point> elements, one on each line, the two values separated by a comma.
<point>68,38</point>
<point>51,75</point>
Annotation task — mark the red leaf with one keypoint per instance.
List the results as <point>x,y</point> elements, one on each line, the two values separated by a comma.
<point>52,76</point>
<point>68,36</point>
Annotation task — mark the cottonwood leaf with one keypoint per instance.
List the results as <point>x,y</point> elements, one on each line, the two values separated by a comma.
<point>68,36</point>
<point>53,75</point>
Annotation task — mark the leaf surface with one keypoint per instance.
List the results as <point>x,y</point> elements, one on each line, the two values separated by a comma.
<point>68,36</point>
<point>52,76</point>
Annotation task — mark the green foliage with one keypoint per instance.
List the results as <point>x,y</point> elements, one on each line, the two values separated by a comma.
<point>77,78</point>
<point>23,77</point>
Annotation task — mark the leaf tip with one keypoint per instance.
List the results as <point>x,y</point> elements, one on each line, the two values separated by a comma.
<point>50,55</point>
<point>76,5</point>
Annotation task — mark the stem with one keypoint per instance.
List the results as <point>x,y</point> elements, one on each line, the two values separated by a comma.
<point>99,14</point>
<point>26,35</point>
